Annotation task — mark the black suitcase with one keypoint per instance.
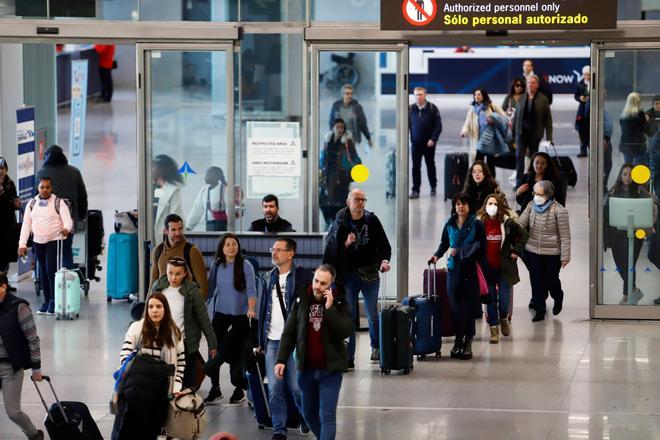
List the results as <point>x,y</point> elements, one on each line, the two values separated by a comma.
<point>68,420</point>
<point>565,167</point>
<point>456,169</point>
<point>95,232</point>
<point>396,339</point>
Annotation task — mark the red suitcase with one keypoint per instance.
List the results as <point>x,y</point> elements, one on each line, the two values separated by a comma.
<point>440,295</point>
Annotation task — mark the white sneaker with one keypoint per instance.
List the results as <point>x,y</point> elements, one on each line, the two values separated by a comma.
<point>636,296</point>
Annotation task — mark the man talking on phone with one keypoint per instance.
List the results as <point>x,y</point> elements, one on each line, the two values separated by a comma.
<point>316,327</point>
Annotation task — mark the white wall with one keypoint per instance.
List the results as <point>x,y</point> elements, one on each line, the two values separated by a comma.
<point>11,98</point>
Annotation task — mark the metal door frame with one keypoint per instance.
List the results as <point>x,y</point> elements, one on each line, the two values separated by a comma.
<point>142,51</point>
<point>596,166</point>
<point>401,49</point>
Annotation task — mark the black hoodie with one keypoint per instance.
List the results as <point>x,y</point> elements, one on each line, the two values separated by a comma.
<point>66,179</point>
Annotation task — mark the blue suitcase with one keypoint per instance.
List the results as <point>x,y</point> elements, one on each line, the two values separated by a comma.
<point>427,328</point>
<point>122,266</point>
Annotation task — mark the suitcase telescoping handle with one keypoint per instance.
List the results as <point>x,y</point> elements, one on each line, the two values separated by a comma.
<point>383,291</point>
<point>433,266</point>
<point>59,405</point>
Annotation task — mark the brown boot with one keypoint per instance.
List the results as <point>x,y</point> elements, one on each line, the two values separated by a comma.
<point>506,326</point>
<point>494,334</point>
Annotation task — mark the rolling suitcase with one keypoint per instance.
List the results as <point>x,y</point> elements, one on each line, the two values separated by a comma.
<point>95,234</point>
<point>68,420</point>
<point>260,396</point>
<point>395,336</point>
<point>67,289</point>
<point>564,165</point>
<point>440,293</point>
<point>122,266</point>
<point>426,323</point>
<point>456,168</point>
<point>390,175</point>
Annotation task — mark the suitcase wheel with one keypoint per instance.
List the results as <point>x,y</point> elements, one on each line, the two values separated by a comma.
<point>108,299</point>
<point>406,371</point>
<point>421,357</point>
<point>57,318</point>
<point>438,354</point>
<point>261,427</point>
<point>384,371</point>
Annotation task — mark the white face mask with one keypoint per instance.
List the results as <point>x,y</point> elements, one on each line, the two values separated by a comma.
<point>539,200</point>
<point>491,210</point>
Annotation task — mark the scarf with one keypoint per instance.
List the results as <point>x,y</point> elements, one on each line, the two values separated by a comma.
<point>480,110</point>
<point>540,209</point>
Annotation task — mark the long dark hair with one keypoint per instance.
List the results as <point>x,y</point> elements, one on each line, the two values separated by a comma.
<point>163,334</point>
<point>512,87</point>
<point>166,168</point>
<point>486,102</point>
<point>240,283</point>
<point>617,188</point>
<point>488,182</point>
<point>551,173</point>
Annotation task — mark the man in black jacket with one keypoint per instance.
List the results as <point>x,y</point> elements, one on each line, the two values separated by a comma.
<point>425,126</point>
<point>272,222</point>
<point>359,249</point>
<point>67,184</point>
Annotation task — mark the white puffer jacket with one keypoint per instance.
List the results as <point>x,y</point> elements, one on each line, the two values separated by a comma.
<point>549,231</point>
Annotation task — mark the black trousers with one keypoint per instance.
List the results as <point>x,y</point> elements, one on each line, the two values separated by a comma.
<point>583,132</point>
<point>619,240</point>
<point>524,146</point>
<point>607,161</point>
<point>544,278</point>
<point>46,255</point>
<point>106,84</point>
<point>230,331</point>
<point>419,152</point>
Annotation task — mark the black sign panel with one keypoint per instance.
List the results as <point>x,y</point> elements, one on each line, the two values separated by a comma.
<point>448,15</point>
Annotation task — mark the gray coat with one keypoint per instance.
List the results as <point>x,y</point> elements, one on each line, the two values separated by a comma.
<point>549,232</point>
<point>542,117</point>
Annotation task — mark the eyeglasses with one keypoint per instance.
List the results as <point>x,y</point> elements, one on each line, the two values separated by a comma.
<point>279,250</point>
<point>360,200</point>
<point>517,85</point>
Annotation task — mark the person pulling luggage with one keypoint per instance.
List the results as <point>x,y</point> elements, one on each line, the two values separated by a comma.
<point>358,248</point>
<point>48,219</point>
<point>19,350</point>
<point>316,327</point>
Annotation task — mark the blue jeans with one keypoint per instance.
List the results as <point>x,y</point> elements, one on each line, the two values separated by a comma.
<point>354,285</point>
<point>320,394</point>
<point>46,254</point>
<point>279,387</point>
<point>635,158</point>
<point>500,296</point>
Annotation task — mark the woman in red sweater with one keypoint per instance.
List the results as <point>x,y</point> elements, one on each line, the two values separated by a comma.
<point>106,62</point>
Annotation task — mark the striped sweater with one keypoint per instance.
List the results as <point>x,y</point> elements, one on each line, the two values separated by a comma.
<point>167,354</point>
<point>26,322</point>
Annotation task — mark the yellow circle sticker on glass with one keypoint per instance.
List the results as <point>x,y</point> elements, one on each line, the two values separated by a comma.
<point>640,233</point>
<point>360,173</point>
<point>641,174</point>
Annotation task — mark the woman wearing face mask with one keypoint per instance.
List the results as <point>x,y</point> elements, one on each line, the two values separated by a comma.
<point>625,187</point>
<point>548,249</point>
<point>464,237</point>
<point>505,242</point>
<point>479,184</point>
<point>337,159</point>
<point>482,114</point>
<point>143,393</point>
<point>540,168</point>
<point>9,204</point>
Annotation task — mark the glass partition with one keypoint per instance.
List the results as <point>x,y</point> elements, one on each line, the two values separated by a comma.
<point>186,138</point>
<point>630,163</point>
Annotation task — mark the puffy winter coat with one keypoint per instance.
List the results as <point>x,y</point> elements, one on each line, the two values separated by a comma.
<point>549,231</point>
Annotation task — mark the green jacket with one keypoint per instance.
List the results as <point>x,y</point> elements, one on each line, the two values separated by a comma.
<point>337,326</point>
<point>195,317</point>
<point>515,237</point>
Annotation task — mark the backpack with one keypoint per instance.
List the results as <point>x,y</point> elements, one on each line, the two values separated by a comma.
<point>186,256</point>
<point>58,202</point>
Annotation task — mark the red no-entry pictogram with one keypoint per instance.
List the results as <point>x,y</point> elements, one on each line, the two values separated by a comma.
<point>419,12</point>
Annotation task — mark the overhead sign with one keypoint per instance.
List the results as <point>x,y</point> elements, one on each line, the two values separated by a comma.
<point>448,15</point>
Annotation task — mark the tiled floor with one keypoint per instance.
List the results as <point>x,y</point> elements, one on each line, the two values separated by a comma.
<point>564,378</point>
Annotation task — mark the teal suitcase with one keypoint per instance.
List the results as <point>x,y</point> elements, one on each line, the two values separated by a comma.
<point>67,291</point>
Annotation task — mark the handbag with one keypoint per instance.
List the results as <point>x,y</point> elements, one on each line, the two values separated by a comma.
<point>119,377</point>
<point>186,416</point>
<point>368,274</point>
<point>484,295</point>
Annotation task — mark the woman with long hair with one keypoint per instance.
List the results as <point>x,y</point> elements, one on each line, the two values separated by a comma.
<point>486,126</point>
<point>463,236</point>
<point>168,183</point>
<point>232,302</point>
<point>505,243</point>
<point>516,90</point>
<point>541,167</point>
<point>210,202</point>
<point>479,184</point>
<point>9,204</point>
<point>626,187</point>
<point>155,373</point>
<point>634,128</point>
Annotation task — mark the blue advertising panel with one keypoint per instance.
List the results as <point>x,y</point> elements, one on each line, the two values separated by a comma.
<point>25,163</point>
<point>78,112</point>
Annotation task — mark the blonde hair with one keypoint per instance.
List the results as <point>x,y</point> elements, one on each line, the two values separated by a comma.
<point>633,106</point>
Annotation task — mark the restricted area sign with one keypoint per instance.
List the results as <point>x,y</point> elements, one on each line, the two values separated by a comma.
<point>419,12</point>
